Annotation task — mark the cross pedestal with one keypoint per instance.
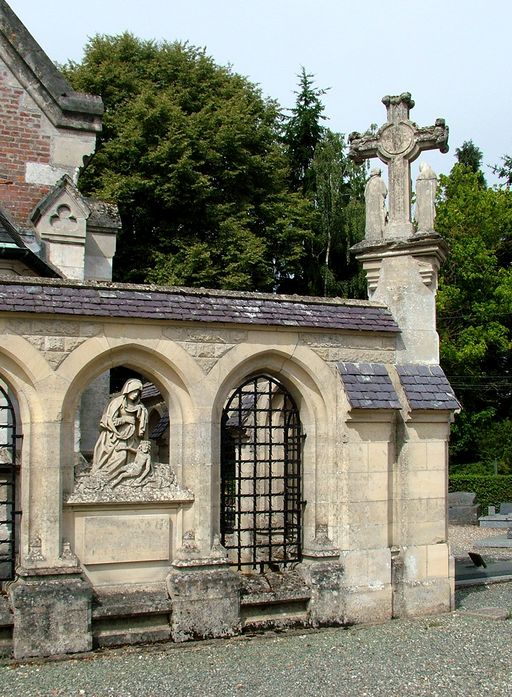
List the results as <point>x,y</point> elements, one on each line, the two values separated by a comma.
<point>398,143</point>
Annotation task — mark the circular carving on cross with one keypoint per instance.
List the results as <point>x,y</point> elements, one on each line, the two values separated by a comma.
<point>396,139</point>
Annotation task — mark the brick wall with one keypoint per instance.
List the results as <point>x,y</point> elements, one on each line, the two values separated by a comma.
<point>22,140</point>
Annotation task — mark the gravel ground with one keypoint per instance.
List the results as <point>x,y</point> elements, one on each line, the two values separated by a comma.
<point>463,537</point>
<point>450,655</point>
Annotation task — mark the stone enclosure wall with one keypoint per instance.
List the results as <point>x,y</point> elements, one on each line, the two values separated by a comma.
<point>374,479</point>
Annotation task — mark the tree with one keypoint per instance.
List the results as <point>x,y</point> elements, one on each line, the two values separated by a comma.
<point>191,153</point>
<point>504,171</point>
<point>321,170</point>
<point>339,201</point>
<point>303,131</point>
<point>475,310</point>
<point>471,157</point>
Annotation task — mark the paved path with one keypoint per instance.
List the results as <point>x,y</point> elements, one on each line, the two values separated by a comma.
<point>449,655</point>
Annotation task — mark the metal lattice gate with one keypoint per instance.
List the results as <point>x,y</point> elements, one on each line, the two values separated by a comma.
<point>261,489</point>
<point>8,512</point>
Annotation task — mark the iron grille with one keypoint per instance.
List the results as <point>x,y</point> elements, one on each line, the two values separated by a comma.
<point>8,512</point>
<point>261,493</point>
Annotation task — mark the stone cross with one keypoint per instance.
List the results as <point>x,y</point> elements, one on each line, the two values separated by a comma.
<point>398,143</point>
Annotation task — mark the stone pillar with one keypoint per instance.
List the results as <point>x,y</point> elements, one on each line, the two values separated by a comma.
<point>364,537</point>
<point>322,572</point>
<point>52,612</point>
<point>421,564</point>
<point>205,594</point>
<point>403,275</point>
<point>426,188</point>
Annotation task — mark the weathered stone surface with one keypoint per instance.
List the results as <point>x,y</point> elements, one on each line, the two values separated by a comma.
<point>130,615</point>
<point>52,613</point>
<point>205,603</point>
<point>426,187</point>
<point>375,199</point>
<point>398,143</point>
<point>325,580</point>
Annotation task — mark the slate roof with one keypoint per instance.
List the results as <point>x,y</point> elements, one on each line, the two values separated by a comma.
<point>12,246</point>
<point>368,386</point>
<point>427,387</point>
<point>94,299</point>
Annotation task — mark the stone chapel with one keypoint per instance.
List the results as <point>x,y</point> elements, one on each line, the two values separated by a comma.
<point>303,479</point>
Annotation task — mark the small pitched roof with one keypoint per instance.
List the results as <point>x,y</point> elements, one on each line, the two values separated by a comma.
<point>50,90</point>
<point>96,299</point>
<point>13,247</point>
<point>65,184</point>
<point>368,386</point>
<point>427,387</point>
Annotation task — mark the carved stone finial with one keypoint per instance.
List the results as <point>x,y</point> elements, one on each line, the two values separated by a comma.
<point>321,547</point>
<point>189,548</point>
<point>68,557</point>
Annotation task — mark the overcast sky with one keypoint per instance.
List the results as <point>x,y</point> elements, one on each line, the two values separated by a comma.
<point>452,55</point>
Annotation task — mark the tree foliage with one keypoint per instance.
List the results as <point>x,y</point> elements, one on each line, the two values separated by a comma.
<point>504,170</point>
<point>303,131</point>
<point>475,310</point>
<point>321,170</point>
<point>339,200</point>
<point>191,153</point>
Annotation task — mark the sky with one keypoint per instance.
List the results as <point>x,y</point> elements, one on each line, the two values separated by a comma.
<point>452,55</point>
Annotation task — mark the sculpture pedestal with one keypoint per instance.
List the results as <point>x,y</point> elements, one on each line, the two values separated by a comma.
<point>52,612</point>
<point>205,597</point>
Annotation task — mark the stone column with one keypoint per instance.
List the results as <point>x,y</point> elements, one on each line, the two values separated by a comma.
<point>421,562</point>
<point>403,275</point>
<point>204,592</point>
<point>322,572</point>
<point>50,598</point>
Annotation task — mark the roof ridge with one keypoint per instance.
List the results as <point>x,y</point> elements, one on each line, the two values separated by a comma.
<point>185,290</point>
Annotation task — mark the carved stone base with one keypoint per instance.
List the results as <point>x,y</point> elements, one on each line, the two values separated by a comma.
<point>422,598</point>
<point>205,601</point>
<point>324,577</point>
<point>52,613</point>
<point>414,597</point>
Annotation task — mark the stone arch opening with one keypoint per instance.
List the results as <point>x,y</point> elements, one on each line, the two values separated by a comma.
<point>10,457</point>
<point>261,475</point>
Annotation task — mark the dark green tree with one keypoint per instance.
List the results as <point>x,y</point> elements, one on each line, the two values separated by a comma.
<point>469,155</point>
<point>303,131</point>
<point>475,311</point>
<point>321,170</point>
<point>192,154</point>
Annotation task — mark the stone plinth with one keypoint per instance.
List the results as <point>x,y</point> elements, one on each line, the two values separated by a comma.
<point>205,599</point>
<point>52,612</point>
<point>323,573</point>
<point>495,521</point>
<point>422,583</point>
